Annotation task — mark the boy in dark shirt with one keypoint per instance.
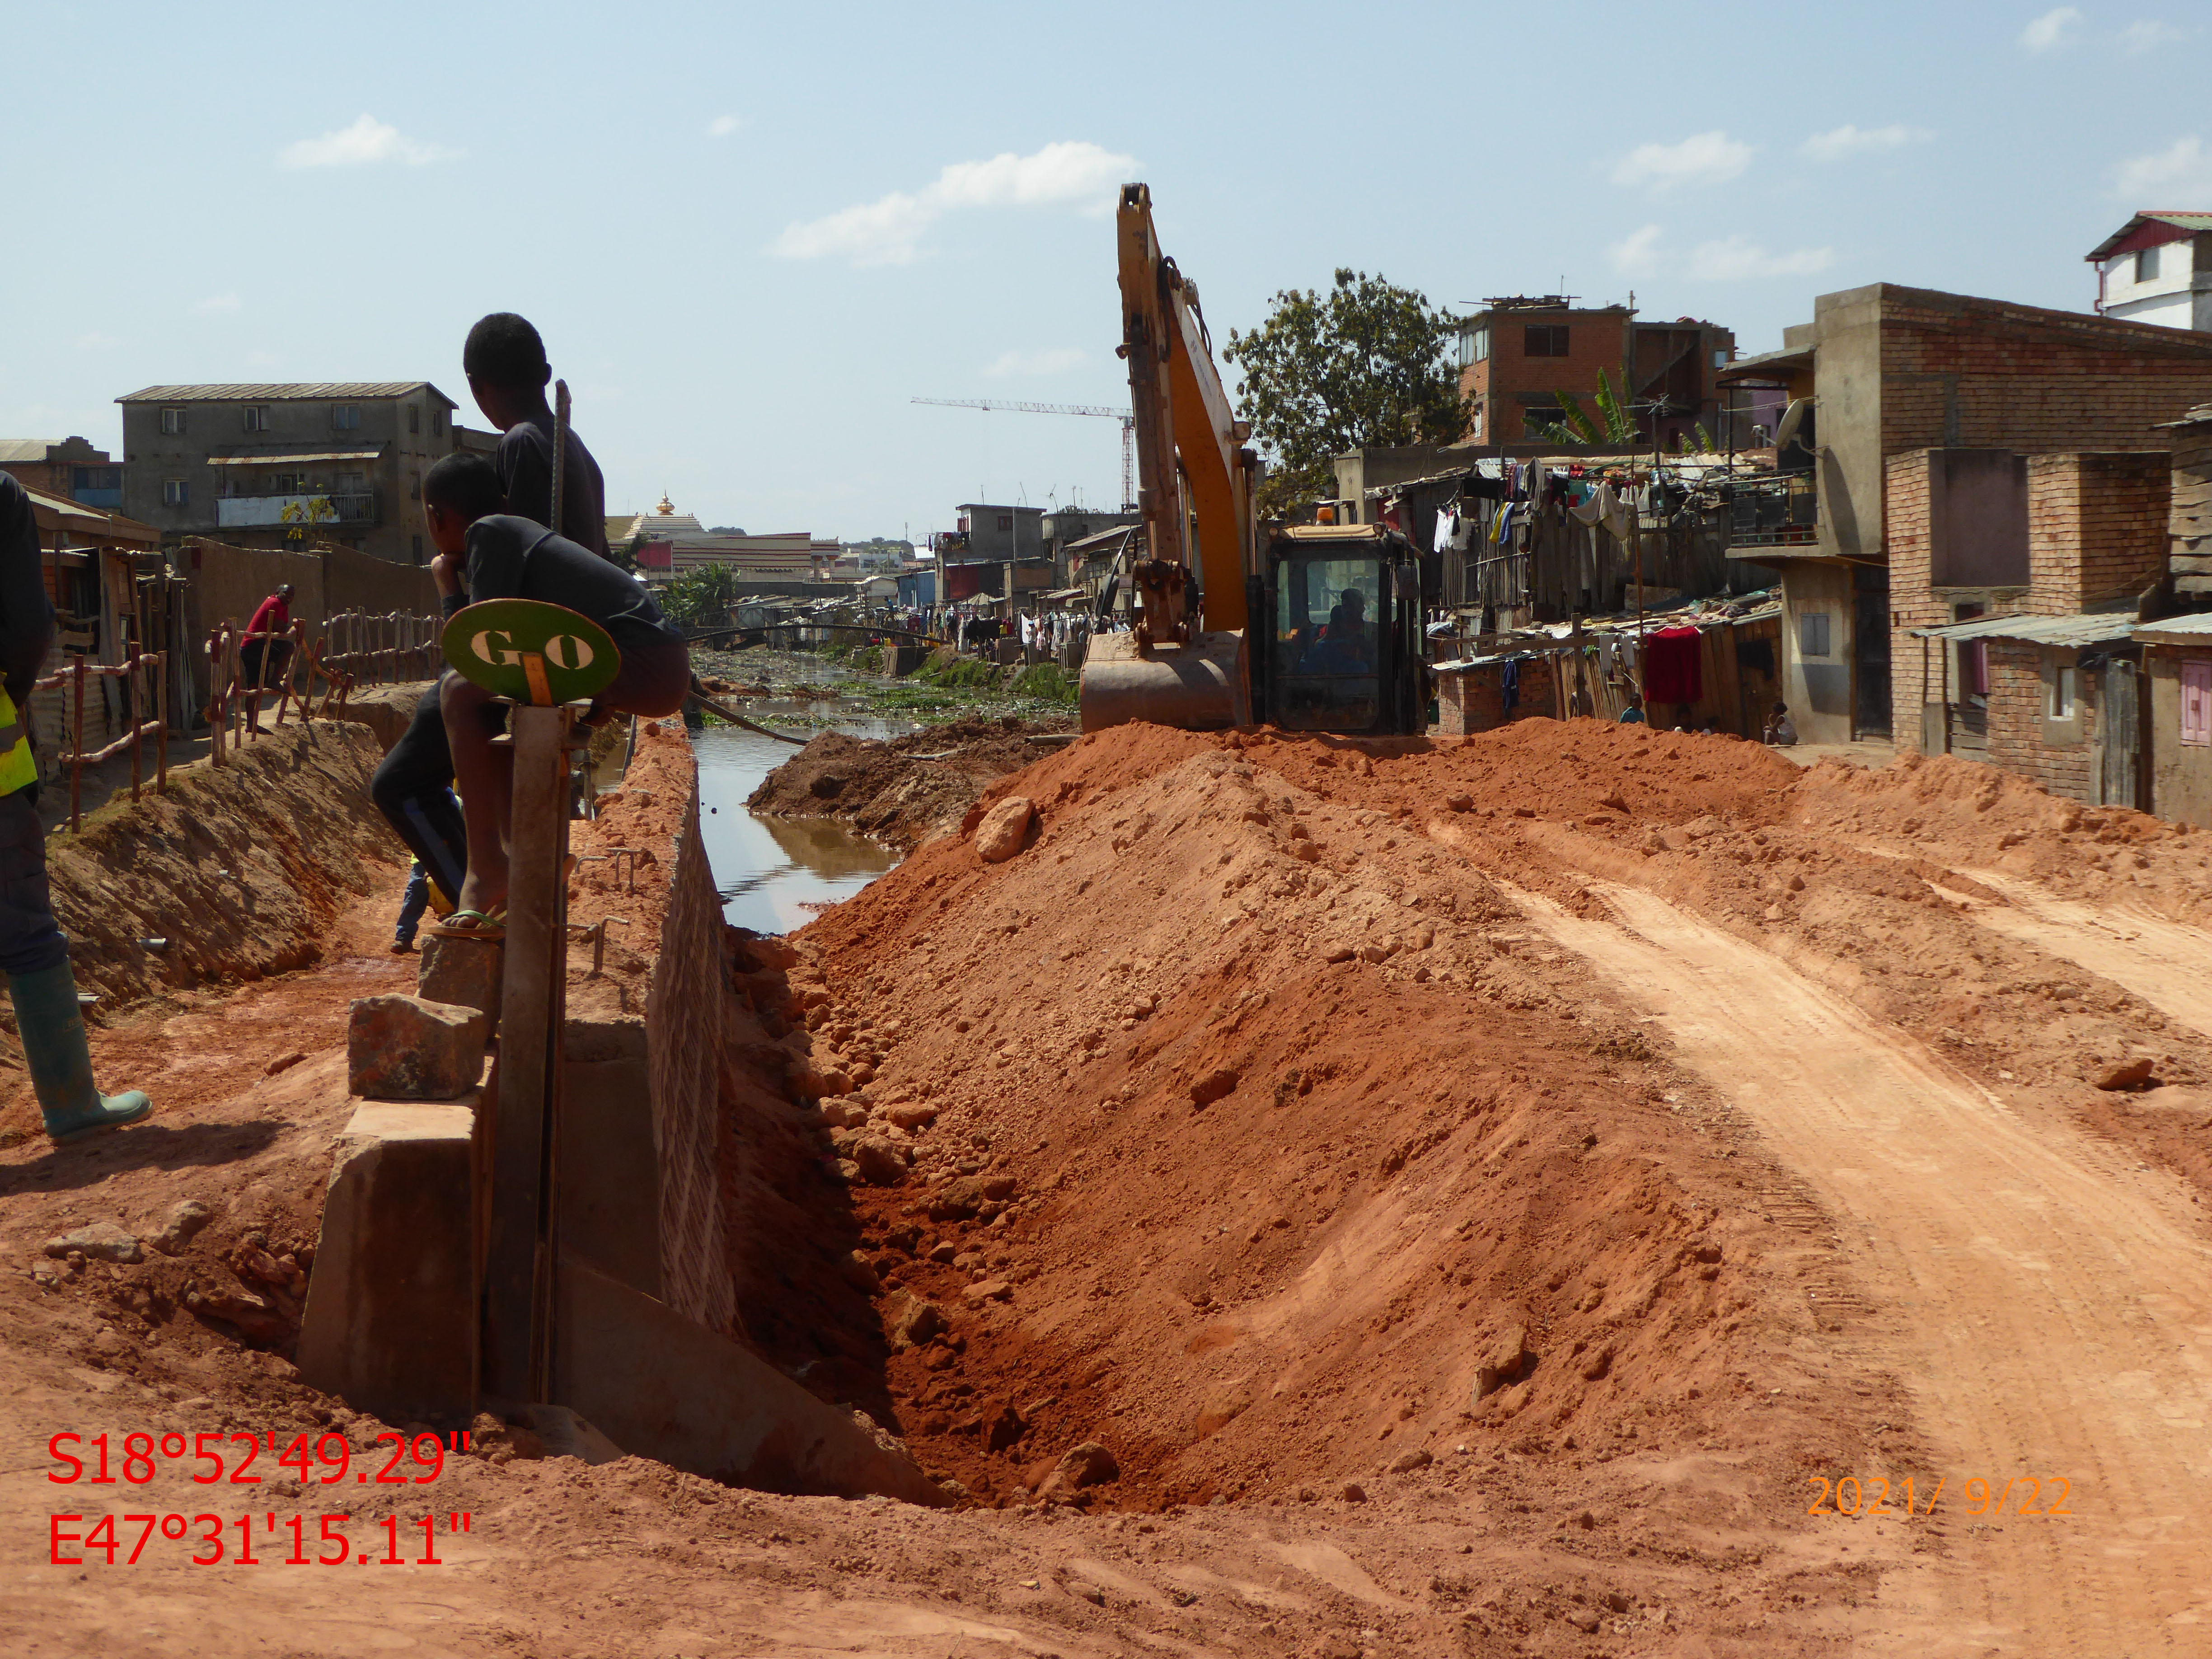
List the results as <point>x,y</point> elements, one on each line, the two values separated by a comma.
<point>505,362</point>
<point>500,557</point>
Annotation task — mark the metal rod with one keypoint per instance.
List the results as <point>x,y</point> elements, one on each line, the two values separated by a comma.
<point>162,716</point>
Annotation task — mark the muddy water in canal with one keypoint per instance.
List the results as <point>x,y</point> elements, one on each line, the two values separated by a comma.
<point>776,874</point>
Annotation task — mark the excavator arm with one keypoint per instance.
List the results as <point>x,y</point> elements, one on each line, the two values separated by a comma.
<point>1188,442</point>
<point>1186,663</point>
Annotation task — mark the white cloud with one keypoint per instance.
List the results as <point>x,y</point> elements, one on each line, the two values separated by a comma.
<point>215,302</point>
<point>2178,176</point>
<point>2149,36</point>
<point>1847,140</point>
<point>723,125</point>
<point>1636,254</point>
<point>888,231</point>
<point>1703,158</point>
<point>1738,258</point>
<point>2049,29</point>
<point>1053,361</point>
<point>367,140</point>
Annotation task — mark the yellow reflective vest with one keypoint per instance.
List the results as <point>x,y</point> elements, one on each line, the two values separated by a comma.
<point>18,769</point>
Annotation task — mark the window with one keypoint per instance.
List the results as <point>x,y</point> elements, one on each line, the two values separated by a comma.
<point>2196,704</point>
<point>172,423</point>
<point>287,483</point>
<point>2146,265</point>
<point>256,417</point>
<point>437,422</point>
<point>1720,357</point>
<point>1536,418</point>
<point>1545,340</point>
<point>1005,521</point>
<point>1474,345</point>
<point>1482,343</point>
<point>415,417</point>
<point>415,486</point>
<point>1813,634</point>
<point>176,492</point>
<point>345,417</point>
<point>418,550</point>
<point>2062,693</point>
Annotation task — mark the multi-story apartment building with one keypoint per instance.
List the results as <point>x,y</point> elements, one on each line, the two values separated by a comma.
<point>346,459</point>
<point>1516,355</point>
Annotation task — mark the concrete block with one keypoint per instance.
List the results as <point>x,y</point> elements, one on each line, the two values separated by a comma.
<point>403,1048</point>
<point>390,1321</point>
<point>662,1387</point>
<point>465,971</point>
<point>610,1174</point>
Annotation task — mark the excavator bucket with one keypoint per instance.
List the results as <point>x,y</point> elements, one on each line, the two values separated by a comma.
<point>1200,687</point>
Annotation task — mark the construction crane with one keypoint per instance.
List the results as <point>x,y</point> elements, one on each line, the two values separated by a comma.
<point>1128,420</point>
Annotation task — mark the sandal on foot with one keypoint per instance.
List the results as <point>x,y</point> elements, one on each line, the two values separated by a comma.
<point>471,924</point>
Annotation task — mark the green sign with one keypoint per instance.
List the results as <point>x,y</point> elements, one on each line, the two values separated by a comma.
<point>531,652</point>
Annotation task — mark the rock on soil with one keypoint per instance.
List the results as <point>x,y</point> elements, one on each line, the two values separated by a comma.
<point>1005,829</point>
<point>905,791</point>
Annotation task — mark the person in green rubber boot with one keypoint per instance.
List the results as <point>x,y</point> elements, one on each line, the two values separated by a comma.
<point>33,953</point>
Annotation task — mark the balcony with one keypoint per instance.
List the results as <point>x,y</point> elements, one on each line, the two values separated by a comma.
<point>242,512</point>
<point>1782,511</point>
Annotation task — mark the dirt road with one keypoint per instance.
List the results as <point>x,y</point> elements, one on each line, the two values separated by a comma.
<point>2050,1304</point>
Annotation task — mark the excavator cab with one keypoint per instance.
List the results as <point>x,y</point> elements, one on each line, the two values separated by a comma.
<point>1337,636</point>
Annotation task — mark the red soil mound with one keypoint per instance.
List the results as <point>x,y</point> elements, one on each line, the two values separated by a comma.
<point>1268,1150</point>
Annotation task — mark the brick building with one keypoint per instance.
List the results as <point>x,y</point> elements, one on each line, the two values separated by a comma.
<point>1883,372</point>
<point>1471,694</point>
<point>1516,355</point>
<point>2014,583</point>
<point>69,468</point>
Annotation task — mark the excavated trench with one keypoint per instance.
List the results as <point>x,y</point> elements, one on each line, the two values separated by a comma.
<point>1334,1134</point>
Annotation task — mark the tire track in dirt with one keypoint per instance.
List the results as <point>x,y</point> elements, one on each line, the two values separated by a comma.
<point>2167,963</point>
<point>2052,1312</point>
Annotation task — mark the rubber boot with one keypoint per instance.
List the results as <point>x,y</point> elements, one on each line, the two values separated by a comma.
<point>60,1058</point>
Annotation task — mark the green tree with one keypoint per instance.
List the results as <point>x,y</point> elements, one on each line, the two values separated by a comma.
<point>305,515</point>
<point>1614,428</point>
<point>701,596</point>
<point>1367,363</point>
<point>623,554</point>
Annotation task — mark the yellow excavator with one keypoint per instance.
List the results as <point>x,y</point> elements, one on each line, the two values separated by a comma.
<point>1311,627</point>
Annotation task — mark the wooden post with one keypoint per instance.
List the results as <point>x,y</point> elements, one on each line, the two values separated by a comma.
<point>137,738</point>
<point>77,757</point>
<point>161,727</point>
<point>519,1252</point>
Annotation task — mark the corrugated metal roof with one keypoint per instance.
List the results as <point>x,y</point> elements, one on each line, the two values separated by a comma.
<point>2178,630</point>
<point>278,457</point>
<point>20,450</point>
<point>281,391</point>
<point>2180,221</point>
<point>2083,628</point>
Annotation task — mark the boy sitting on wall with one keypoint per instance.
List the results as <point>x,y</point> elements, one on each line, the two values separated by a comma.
<point>486,554</point>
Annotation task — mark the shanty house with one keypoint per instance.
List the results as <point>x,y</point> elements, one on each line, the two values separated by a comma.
<point>2177,649</point>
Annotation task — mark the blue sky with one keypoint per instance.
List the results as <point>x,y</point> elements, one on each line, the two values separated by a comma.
<point>750,235</point>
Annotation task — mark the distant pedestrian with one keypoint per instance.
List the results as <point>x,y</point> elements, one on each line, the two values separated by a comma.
<point>1633,714</point>
<point>265,646</point>
<point>411,906</point>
